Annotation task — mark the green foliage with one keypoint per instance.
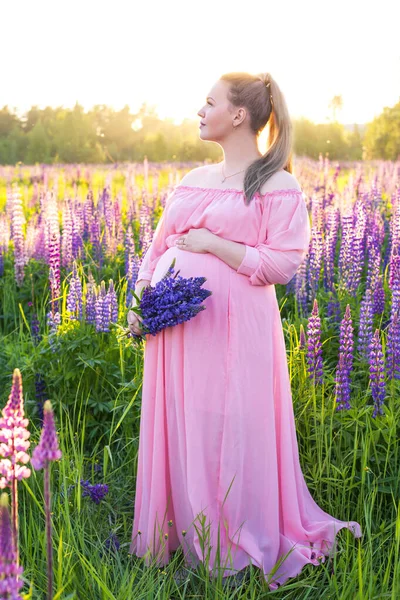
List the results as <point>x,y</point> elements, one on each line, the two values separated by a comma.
<point>382,138</point>
<point>103,135</point>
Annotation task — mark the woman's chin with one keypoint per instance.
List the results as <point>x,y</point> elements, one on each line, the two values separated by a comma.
<point>203,135</point>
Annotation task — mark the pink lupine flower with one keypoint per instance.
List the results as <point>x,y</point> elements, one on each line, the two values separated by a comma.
<point>10,572</point>
<point>14,436</point>
<point>13,446</point>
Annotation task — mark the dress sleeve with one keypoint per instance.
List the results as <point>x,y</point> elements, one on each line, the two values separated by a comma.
<point>157,246</point>
<point>284,239</point>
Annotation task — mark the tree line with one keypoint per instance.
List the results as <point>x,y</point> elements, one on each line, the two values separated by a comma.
<point>104,135</point>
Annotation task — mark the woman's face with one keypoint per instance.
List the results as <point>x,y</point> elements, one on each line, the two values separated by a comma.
<point>215,114</point>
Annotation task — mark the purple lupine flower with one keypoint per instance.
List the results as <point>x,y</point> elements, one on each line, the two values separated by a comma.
<point>146,231</point>
<point>357,247</point>
<point>379,296</point>
<point>315,258</point>
<point>366,324</point>
<point>301,287</point>
<point>45,452</point>
<point>88,209</point>
<point>90,306</point>
<point>346,343</point>
<point>374,258</point>
<point>345,363</point>
<point>129,245</point>
<point>96,492</point>
<point>173,300</point>
<point>333,307</point>
<point>51,228</point>
<point>342,389</point>
<point>113,300</point>
<point>40,394</point>
<point>132,262</point>
<point>393,346</point>
<point>53,316</point>
<point>377,373</point>
<point>53,321</point>
<point>131,277</point>
<point>314,346</point>
<point>99,308</point>
<point>345,258</point>
<point>54,267</point>
<point>39,251</point>
<point>74,298</point>
<point>35,329</point>
<point>119,234</point>
<point>95,231</point>
<point>106,308</point>
<point>331,235</point>
<point>336,173</point>
<point>394,266</point>
<point>47,449</point>
<point>106,204</point>
<point>10,572</point>
<point>112,543</point>
<point>77,242</point>
<point>71,299</point>
<point>17,234</point>
<point>66,238</point>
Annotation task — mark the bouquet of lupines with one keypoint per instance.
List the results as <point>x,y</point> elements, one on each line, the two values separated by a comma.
<point>173,300</point>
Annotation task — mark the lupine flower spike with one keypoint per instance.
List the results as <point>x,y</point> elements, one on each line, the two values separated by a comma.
<point>173,300</point>
<point>10,572</point>
<point>314,346</point>
<point>377,374</point>
<point>345,363</point>
<point>46,451</point>
<point>13,446</point>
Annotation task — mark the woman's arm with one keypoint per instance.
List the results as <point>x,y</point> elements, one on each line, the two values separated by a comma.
<point>232,253</point>
<point>284,243</point>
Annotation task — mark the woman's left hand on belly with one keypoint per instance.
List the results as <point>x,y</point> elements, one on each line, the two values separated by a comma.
<point>196,240</point>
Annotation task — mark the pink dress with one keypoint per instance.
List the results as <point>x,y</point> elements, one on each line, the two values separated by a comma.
<point>217,438</point>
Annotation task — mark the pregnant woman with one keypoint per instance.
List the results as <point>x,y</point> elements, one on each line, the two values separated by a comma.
<point>218,453</point>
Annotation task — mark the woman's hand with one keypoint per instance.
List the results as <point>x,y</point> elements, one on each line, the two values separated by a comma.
<point>196,240</point>
<point>134,320</point>
<point>134,323</point>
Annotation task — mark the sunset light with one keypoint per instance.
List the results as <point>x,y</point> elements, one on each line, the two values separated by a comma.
<point>169,54</point>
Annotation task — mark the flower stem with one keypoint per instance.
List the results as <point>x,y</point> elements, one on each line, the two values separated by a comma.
<point>14,515</point>
<point>47,501</point>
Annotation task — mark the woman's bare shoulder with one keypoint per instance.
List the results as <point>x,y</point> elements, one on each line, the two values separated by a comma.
<point>196,176</point>
<point>281,180</point>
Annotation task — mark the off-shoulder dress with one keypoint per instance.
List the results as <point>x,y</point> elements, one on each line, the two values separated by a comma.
<point>217,430</point>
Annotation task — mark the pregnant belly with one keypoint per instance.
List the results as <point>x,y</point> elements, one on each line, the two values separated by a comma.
<point>217,274</point>
<point>193,264</point>
<point>234,304</point>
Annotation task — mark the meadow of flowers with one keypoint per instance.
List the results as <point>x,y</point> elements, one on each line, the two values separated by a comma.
<point>71,242</point>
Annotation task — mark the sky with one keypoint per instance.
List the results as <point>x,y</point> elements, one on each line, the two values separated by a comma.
<point>169,53</point>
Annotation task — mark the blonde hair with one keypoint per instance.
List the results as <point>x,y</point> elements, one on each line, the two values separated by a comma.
<point>251,92</point>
